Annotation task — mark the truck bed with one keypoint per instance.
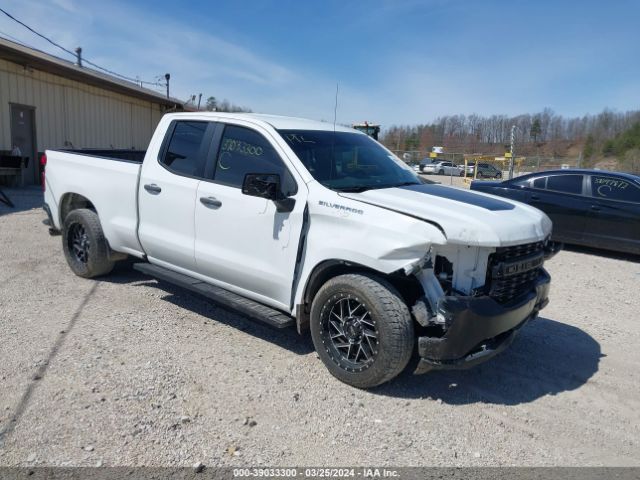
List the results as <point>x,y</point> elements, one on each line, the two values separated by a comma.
<point>111,184</point>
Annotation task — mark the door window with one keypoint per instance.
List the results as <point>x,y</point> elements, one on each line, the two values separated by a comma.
<point>540,183</point>
<point>613,188</point>
<point>244,151</point>
<point>183,155</point>
<point>565,183</point>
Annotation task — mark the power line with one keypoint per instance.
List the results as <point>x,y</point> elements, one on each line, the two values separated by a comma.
<point>110,72</point>
<point>6,36</point>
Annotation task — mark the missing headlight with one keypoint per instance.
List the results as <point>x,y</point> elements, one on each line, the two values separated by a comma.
<point>443,270</point>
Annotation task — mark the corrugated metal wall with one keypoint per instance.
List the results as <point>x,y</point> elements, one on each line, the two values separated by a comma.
<point>71,111</point>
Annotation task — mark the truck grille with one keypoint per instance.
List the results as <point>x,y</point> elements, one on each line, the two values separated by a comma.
<point>513,270</point>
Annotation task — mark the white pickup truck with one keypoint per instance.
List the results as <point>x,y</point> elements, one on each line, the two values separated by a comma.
<point>293,221</point>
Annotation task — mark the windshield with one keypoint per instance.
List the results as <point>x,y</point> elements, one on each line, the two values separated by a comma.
<point>345,161</point>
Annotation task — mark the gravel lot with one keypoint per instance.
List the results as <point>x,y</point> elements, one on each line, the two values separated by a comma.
<point>127,371</point>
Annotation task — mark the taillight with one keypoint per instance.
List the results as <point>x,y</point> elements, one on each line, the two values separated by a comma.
<point>43,164</point>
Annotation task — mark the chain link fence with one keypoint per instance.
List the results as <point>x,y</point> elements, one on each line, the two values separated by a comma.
<point>522,165</point>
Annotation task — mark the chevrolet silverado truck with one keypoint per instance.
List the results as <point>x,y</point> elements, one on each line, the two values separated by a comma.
<point>297,222</point>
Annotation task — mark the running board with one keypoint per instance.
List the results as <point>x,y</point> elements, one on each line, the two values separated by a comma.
<point>222,297</point>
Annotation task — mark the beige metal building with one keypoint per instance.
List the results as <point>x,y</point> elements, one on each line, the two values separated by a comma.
<point>47,102</point>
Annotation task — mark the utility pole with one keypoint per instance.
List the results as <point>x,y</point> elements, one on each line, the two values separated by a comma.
<point>513,154</point>
<point>199,98</point>
<point>79,56</point>
<point>167,77</point>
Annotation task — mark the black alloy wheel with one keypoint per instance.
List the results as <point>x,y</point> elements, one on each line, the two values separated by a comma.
<point>349,333</point>
<point>85,246</point>
<point>78,242</point>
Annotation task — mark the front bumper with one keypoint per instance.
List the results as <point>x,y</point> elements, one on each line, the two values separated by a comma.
<point>479,328</point>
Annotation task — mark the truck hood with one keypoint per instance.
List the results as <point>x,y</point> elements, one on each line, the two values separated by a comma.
<point>468,218</point>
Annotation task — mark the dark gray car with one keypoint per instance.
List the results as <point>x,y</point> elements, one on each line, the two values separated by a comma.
<point>587,207</point>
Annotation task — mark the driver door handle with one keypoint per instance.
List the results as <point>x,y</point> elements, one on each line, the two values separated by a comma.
<point>595,208</point>
<point>535,197</point>
<point>152,188</point>
<point>211,202</point>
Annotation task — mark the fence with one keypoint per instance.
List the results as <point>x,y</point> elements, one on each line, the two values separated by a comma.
<point>522,165</point>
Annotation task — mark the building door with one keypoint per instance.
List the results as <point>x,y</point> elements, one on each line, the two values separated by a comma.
<point>23,136</point>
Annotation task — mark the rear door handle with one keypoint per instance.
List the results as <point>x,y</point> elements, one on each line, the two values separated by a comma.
<point>535,197</point>
<point>152,188</point>
<point>211,202</point>
<point>595,208</point>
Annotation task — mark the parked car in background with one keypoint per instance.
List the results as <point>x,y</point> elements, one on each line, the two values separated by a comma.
<point>485,170</point>
<point>443,168</point>
<point>588,207</point>
<point>424,162</point>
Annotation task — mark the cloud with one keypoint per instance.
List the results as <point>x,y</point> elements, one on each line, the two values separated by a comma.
<point>67,5</point>
<point>136,43</point>
<point>409,70</point>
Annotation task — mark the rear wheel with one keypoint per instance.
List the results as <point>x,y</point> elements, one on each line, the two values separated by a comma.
<point>84,244</point>
<point>498,175</point>
<point>441,172</point>
<point>361,329</point>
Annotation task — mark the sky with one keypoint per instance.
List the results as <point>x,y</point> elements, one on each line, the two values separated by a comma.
<point>394,62</point>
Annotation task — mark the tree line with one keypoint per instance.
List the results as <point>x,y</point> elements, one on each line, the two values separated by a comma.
<point>213,104</point>
<point>544,133</point>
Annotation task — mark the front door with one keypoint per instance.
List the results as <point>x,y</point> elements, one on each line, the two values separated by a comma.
<point>23,137</point>
<point>562,198</point>
<point>242,242</point>
<point>615,212</point>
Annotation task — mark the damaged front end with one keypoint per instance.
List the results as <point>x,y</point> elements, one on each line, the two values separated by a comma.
<point>476,299</point>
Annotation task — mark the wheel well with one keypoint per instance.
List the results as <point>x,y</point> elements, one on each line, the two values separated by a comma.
<point>407,285</point>
<point>73,201</point>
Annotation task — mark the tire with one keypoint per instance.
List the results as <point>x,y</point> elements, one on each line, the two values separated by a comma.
<point>498,175</point>
<point>84,244</point>
<point>440,172</point>
<point>381,311</point>
<point>462,173</point>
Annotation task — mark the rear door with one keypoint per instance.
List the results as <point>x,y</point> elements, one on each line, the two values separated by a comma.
<point>167,193</point>
<point>562,197</point>
<point>614,219</point>
<point>242,242</point>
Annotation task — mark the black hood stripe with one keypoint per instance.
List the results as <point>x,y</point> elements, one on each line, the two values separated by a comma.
<point>459,195</point>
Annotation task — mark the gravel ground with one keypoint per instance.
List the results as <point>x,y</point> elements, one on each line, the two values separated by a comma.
<point>127,371</point>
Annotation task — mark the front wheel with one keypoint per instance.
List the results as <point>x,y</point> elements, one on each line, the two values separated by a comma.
<point>440,172</point>
<point>84,244</point>
<point>361,329</point>
<point>498,175</point>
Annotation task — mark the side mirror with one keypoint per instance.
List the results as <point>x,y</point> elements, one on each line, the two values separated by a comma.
<point>262,185</point>
<point>267,185</point>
